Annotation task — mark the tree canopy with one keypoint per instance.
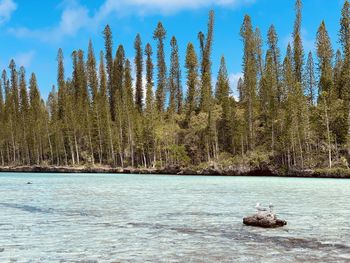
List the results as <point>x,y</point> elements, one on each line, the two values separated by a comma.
<point>292,111</point>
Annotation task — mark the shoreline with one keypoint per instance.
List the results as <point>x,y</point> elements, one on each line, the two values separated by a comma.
<point>335,173</point>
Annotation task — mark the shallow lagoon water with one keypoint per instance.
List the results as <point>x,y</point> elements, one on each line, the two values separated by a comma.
<point>145,218</point>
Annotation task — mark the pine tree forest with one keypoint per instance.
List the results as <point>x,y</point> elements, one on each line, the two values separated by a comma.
<point>292,111</point>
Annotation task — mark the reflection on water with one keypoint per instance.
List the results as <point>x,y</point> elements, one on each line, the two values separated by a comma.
<point>132,218</point>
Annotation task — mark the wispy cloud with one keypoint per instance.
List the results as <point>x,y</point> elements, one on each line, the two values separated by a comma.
<point>234,78</point>
<point>7,7</point>
<point>73,18</point>
<point>25,58</point>
<point>145,7</point>
<point>76,17</point>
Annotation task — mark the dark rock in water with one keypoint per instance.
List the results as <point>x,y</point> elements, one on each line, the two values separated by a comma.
<point>211,171</point>
<point>29,183</point>
<point>187,171</point>
<point>171,169</point>
<point>265,220</point>
<point>2,249</point>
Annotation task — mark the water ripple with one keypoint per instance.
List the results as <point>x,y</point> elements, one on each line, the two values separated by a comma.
<point>126,218</point>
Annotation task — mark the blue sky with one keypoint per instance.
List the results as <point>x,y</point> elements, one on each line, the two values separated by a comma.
<point>32,31</point>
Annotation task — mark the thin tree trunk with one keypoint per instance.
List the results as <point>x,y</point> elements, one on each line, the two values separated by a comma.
<point>71,150</point>
<point>121,155</point>
<point>37,151</point>
<point>100,138</point>
<point>288,157</point>
<point>8,153</point>
<point>111,142</point>
<point>91,147</point>
<point>336,148</point>
<point>14,144</point>
<point>65,150</point>
<point>216,143</point>
<point>41,151</point>
<point>57,156</point>
<point>328,135</point>
<point>293,150</point>
<point>208,151</point>
<point>272,137</point>
<point>131,141</point>
<point>76,147</point>
<point>49,140</point>
<point>26,147</point>
<point>250,124</point>
<point>2,158</point>
<point>348,139</point>
<point>160,157</point>
<point>154,155</point>
<point>301,151</point>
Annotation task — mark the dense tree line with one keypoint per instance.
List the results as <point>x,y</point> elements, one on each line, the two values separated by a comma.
<point>293,111</point>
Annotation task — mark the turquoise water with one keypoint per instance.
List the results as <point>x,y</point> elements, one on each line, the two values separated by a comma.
<point>134,218</point>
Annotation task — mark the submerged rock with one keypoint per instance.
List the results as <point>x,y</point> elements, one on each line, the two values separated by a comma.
<point>265,220</point>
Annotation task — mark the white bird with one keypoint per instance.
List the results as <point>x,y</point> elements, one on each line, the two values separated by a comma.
<point>271,207</point>
<point>259,208</point>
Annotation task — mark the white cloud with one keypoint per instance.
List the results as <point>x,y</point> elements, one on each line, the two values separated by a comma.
<point>73,18</point>
<point>7,7</point>
<point>144,7</point>
<point>144,80</point>
<point>234,78</point>
<point>25,58</point>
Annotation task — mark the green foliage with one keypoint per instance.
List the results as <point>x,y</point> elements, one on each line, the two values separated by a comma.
<point>206,43</point>
<point>139,69</point>
<point>175,101</point>
<point>298,51</point>
<point>159,35</point>
<point>99,115</point>
<point>179,154</point>
<point>192,80</point>
<point>250,71</point>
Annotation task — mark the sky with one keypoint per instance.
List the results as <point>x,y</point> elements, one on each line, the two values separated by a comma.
<point>31,32</point>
